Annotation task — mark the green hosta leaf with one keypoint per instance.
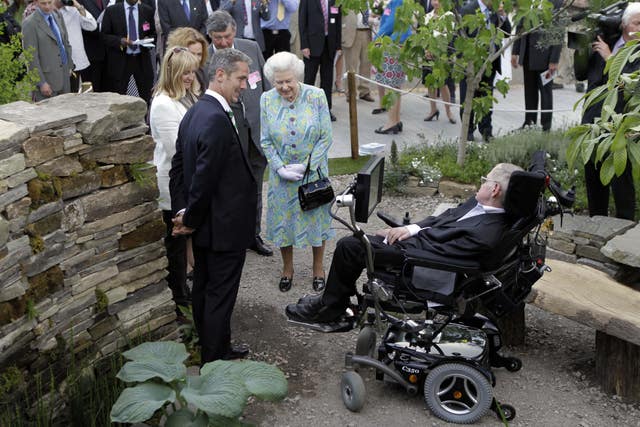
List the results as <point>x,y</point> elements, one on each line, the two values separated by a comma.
<point>139,403</point>
<point>619,161</point>
<point>186,418</point>
<point>164,351</point>
<point>607,171</point>
<point>264,381</point>
<point>218,421</point>
<point>139,371</point>
<point>217,394</point>
<point>634,152</point>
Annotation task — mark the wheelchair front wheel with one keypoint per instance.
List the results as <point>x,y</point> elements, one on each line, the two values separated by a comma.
<point>366,343</point>
<point>513,364</point>
<point>353,391</point>
<point>458,393</point>
<point>508,411</point>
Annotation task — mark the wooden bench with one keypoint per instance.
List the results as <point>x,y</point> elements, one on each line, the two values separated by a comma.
<point>592,298</point>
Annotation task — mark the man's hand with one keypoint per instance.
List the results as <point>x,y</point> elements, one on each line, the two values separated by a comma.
<point>599,46</point>
<point>179,229</point>
<point>393,235</point>
<point>553,67</point>
<point>290,175</point>
<point>514,61</point>
<point>306,53</point>
<point>125,41</point>
<point>45,89</point>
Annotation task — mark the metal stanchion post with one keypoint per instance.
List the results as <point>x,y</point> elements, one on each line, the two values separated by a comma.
<point>353,114</point>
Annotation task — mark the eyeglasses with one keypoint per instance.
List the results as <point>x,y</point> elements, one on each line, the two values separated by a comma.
<point>176,50</point>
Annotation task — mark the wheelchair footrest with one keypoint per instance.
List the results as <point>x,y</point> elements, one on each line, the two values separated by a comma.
<point>345,324</point>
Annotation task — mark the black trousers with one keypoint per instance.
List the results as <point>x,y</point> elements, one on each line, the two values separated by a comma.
<point>258,164</point>
<point>624,194</point>
<point>135,68</point>
<point>94,74</point>
<point>325,63</point>
<point>349,261</point>
<point>177,268</point>
<point>486,88</point>
<point>532,88</point>
<point>216,278</point>
<point>274,43</point>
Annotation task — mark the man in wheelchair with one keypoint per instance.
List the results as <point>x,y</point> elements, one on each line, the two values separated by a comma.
<point>469,232</point>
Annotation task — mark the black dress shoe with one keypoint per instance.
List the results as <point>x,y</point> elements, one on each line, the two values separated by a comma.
<point>313,312</point>
<point>391,130</point>
<point>366,97</point>
<point>333,118</point>
<point>237,352</point>
<point>285,284</point>
<point>487,136</point>
<point>318,284</point>
<point>379,110</point>
<point>311,299</point>
<point>260,247</point>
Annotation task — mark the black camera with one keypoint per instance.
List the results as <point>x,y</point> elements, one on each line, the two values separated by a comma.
<point>67,2</point>
<point>605,24</point>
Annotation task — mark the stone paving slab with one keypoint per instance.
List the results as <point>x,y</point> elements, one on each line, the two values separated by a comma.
<point>625,248</point>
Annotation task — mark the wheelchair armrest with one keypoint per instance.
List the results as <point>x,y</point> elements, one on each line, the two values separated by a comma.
<point>391,221</point>
<point>421,258</point>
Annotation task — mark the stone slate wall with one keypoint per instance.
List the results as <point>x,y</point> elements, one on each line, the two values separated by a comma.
<point>82,265</point>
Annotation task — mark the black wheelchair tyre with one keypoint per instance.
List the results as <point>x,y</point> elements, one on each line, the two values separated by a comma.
<point>457,393</point>
<point>366,343</point>
<point>513,364</point>
<point>353,391</point>
<point>508,411</point>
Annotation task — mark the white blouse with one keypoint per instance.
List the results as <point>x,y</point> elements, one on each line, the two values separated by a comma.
<point>75,23</point>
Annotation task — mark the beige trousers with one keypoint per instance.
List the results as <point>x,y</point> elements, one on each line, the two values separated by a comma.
<point>356,59</point>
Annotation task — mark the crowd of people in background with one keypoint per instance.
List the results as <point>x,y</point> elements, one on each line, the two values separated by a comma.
<point>214,72</point>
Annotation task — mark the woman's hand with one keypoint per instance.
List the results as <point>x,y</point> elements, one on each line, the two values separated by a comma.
<point>289,174</point>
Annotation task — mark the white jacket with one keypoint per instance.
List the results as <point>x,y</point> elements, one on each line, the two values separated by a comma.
<point>165,116</point>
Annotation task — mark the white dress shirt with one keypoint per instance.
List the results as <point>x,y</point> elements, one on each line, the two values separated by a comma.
<point>75,23</point>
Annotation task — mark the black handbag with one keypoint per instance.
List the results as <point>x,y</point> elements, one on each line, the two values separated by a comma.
<point>316,193</point>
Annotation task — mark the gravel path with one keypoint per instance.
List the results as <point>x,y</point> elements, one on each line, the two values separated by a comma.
<point>556,386</point>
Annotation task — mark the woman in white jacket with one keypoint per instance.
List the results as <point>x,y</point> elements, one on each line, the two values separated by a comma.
<point>177,90</point>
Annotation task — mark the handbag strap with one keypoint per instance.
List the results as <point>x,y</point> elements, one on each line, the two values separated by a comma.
<point>307,172</point>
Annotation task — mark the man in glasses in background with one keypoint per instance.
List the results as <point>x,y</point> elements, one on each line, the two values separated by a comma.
<point>469,232</point>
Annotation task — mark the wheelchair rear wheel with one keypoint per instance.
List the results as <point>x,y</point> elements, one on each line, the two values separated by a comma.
<point>457,393</point>
<point>353,391</point>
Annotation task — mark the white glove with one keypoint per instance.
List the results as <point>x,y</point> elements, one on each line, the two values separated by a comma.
<point>297,168</point>
<point>288,174</point>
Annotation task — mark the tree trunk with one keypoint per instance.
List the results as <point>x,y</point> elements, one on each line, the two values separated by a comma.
<point>472,84</point>
<point>618,366</point>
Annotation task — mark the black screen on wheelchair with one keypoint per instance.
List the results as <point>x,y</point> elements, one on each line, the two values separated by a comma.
<point>368,191</point>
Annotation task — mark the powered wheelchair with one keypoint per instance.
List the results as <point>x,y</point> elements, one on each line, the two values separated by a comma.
<point>433,338</point>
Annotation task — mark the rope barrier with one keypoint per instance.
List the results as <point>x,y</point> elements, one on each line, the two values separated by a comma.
<point>439,101</point>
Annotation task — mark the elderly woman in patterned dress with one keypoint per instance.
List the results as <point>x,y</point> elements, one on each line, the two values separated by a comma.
<point>296,130</point>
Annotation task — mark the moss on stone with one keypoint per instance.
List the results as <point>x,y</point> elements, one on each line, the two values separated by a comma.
<point>37,243</point>
<point>42,192</point>
<point>102,301</point>
<point>45,283</point>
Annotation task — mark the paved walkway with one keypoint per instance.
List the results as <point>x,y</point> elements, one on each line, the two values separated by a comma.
<point>415,108</point>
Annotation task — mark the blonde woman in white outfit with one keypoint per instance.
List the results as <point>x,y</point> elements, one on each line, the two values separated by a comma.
<point>177,90</point>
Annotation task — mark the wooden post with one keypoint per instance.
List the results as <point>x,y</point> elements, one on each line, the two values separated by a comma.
<point>353,114</point>
<point>617,366</point>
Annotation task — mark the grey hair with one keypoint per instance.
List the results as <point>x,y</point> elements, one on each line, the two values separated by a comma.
<point>227,59</point>
<point>283,61</point>
<point>219,21</point>
<point>501,174</point>
<point>632,9</point>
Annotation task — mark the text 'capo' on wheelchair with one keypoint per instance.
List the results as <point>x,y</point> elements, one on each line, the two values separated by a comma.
<point>449,352</point>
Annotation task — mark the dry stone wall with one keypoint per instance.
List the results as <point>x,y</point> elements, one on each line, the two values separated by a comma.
<point>82,264</point>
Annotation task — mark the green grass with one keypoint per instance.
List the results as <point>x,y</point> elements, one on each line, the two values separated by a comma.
<point>346,165</point>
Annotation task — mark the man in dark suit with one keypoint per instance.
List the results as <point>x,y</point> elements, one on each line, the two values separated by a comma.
<point>94,47</point>
<point>122,25</point>
<point>45,32</point>
<point>247,14</point>
<point>470,231</point>
<point>221,28</point>
<point>320,25</point>
<point>535,59</point>
<point>213,196</point>
<point>182,13</point>
<point>500,20</point>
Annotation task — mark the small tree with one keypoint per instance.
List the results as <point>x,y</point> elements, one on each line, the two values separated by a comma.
<point>462,47</point>
<point>16,80</point>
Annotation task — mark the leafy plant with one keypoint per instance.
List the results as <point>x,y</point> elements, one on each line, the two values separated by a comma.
<point>219,393</point>
<point>16,81</point>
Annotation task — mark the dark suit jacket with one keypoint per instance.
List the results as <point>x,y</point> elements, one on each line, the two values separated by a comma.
<point>172,16</point>
<point>258,11</point>
<point>211,179</point>
<point>311,26</point>
<point>472,238</point>
<point>538,58</point>
<point>93,43</point>
<point>470,8</point>
<point>114,28</point>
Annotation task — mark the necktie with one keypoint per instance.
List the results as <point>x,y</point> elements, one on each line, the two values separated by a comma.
<point>280,13</point>
<point>233,119</point>
<point>244,12</point>
<point>323,3</point>
<point>54,28</point>
<point>365,17</point>
<point>133,31</point>
<point>487,17</point>
<point>187,11</point>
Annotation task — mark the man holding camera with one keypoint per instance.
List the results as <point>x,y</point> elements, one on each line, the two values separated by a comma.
<point>76,20</point>
<point>621,186</point>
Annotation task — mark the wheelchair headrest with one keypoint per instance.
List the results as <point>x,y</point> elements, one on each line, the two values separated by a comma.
<point>523,194</point>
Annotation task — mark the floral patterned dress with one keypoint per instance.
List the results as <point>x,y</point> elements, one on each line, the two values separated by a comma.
<point>291,131</point>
